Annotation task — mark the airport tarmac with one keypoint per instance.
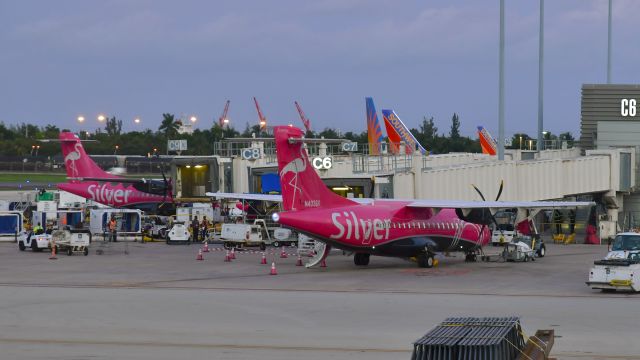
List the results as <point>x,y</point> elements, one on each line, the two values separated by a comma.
<point>153,301</point>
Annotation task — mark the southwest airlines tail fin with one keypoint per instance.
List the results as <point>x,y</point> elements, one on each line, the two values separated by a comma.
<point>76,160</point>
<point>487,142</point>
<point>373,128</point>
<point>398,132</point>
<point>301,186</point>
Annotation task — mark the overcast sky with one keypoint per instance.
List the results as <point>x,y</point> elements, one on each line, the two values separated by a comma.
<point>142,58</point>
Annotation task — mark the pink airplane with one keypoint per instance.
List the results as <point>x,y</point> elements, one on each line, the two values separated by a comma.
<point>383,227</point>
<point>88,180</point>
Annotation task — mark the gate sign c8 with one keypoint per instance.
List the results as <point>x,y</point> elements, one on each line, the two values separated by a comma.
<point>628,107</point>
<point>251,153</point>
<point>322,163</point>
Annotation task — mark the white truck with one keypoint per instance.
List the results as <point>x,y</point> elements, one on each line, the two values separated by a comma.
<point>505,230</point>
<point>239,235</point>
<point>620,269</point>
<point>35,242</point>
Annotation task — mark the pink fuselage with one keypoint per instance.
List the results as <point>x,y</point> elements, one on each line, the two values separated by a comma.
<point>112,195</point>
<point>388,228</point>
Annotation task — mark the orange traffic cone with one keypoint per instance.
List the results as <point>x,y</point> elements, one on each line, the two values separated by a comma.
<point>323,264</point>
<point>206,247</point>
<point>199,257</point>
<point>299,261</point>
<point>273,269</point>
<point>283,254</point>
<point>263,261</point>
<point>53,251</point>
<point>233,254</point>
<point>227,257</point>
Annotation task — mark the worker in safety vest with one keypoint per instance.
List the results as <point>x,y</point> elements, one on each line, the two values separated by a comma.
<point>113,231</point>
<point>204,228</point>
<point>38,229</point>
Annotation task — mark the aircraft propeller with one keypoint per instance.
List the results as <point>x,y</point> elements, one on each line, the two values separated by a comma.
<point>493,219</point>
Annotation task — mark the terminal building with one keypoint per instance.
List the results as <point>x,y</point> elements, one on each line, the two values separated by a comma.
<point>603,168</point>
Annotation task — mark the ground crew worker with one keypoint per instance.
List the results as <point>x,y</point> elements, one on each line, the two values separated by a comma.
<point>204,226</point>
<point>195,228</point>
<point>113,224</point>
<point>38,229</point>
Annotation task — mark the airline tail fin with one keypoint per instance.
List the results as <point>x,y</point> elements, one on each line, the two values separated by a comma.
<point>487,142</point>
<point>76,160</point>
<point>373,128</point>
<point>398,132</point>
<point>301,186</point>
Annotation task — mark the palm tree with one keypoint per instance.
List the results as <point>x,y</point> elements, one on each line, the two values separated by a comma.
<point>169,126</point>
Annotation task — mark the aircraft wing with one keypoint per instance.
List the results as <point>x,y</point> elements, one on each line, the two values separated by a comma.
<point>461,204</point>
<point>263,197</point>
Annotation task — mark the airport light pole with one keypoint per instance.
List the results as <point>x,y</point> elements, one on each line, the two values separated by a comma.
<point>541,78</point>
<point>609,45</point>
<point>501,87</point>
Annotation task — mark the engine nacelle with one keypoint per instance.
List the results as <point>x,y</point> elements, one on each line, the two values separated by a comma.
<point>476,216</point>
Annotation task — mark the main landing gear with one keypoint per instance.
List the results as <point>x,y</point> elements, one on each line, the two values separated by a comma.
<point>425,259</point>
<point>361,259</point>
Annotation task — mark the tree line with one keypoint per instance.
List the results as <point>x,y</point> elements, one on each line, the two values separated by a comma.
<point>23,139</point>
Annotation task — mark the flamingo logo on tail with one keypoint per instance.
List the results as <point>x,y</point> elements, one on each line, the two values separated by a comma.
<point>295,166</point>
<point>72,157</point>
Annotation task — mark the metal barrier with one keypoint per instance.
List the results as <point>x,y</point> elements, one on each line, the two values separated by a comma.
<point>471,338</point>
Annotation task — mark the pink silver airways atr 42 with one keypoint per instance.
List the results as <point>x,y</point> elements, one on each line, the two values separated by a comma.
<point>88,180</point>
<point>398,228</point>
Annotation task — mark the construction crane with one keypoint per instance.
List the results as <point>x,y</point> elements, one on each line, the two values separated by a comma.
<point>223,120</point>
<point>263,120</point>
<point>305,121</point>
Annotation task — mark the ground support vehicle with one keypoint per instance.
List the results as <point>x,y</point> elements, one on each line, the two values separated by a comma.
<point>241,235</point>
<point>518,251</point>
<point>179,233</point>
<point>620,269</point>
<point>71,242</point>
<point>616,273</point>
<point>34,242</point>
<point>284,237</point>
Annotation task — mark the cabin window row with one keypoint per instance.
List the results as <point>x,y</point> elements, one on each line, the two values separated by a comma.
<point>421,225</point>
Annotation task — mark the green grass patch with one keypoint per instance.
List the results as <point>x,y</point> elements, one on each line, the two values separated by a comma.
<point>39,178</point>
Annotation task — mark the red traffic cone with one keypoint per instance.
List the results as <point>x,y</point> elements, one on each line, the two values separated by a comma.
<point>263,261</point>
<point>323,264</point>
<point>299,261</point>
<point>53,251</point>
<point>233,254</point>
<point>206,247</point>
<point>200,257</point>
<point>283,254</point>
<point>227,257</point>
<point>273,269</point>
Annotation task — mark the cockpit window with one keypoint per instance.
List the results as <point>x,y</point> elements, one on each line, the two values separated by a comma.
<point>626,242</point>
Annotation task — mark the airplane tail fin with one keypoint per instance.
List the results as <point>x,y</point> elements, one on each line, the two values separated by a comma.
<point>398,132</point>
<point>487,143</point>
<point>373,128</point>
<point>76,160</point>
<point>301,186</point>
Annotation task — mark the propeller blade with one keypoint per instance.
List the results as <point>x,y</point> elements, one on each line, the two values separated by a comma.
<point>479,192</point>
<point>500,190</point>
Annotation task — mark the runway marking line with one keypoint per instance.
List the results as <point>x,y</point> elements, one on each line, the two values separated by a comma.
<point>196,345</point>
<point>134,286</point>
